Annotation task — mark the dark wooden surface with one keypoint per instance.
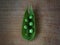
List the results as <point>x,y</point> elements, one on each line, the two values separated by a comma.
<point>47,14</point>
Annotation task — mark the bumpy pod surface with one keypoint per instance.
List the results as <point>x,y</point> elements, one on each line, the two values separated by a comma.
<point>28,26</point>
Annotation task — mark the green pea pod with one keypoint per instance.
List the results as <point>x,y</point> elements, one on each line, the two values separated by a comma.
<point>28,26</point>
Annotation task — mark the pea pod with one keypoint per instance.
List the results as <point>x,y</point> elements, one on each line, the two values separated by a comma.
<point>28,26</point>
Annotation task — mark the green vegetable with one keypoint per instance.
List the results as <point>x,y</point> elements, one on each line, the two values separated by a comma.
<point>28,26</point>
<point>30,23</point>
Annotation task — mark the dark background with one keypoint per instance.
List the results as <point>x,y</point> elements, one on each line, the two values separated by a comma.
<point>47,14</point>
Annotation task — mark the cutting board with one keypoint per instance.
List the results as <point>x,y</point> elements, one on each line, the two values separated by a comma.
<point>47,13</point>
